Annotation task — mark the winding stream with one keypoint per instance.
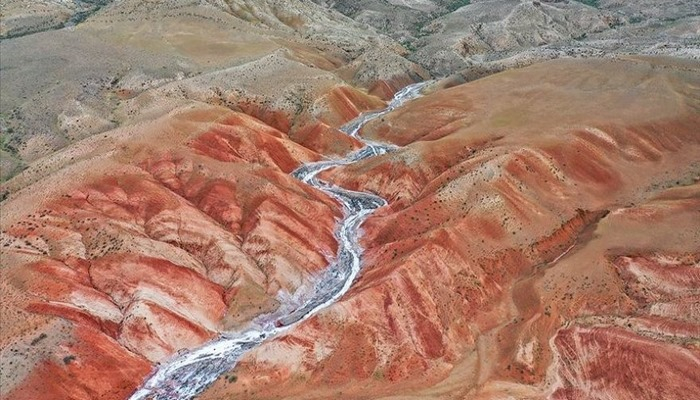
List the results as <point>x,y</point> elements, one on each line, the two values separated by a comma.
<point>187,374</point>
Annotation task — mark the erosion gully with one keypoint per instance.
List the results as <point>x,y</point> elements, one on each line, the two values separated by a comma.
<point>188,373</point>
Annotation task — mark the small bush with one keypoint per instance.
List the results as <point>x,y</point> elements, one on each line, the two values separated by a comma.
<point>458,4</point>
<point>591,3</point>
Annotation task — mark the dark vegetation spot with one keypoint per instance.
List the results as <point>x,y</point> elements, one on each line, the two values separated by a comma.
<point>591,3</point>
<point>38,339</point>
<point>457,4</point>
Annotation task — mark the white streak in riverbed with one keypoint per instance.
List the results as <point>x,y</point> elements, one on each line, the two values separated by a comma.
<point>188,373</point>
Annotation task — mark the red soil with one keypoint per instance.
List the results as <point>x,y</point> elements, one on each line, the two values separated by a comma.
<point>513,213</point>
<point>191,227</point>
<point>541,241</point>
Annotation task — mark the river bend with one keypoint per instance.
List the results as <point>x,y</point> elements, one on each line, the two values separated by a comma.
<point>188,373</point>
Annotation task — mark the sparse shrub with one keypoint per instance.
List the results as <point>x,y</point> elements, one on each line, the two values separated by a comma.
<point>457,5</point>
<point>590,3</point>
<point>408,45</point>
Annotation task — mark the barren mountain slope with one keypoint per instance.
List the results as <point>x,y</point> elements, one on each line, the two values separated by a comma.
<point>133,60</point>
<point>522,32</point>
<point>542,240</point>
<point>487,36</point>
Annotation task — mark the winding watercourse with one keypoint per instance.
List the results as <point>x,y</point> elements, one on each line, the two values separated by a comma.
<point>188,373</point>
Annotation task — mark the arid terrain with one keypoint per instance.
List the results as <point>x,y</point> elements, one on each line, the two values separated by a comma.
<point>542,233</point>
<point>539,243</point>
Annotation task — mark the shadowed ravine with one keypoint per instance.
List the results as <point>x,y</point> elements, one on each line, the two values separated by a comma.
<point>187,374</point>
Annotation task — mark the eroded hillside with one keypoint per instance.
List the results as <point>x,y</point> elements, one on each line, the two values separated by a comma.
<point>151,240</point>
<point>541,238</point>
<point>541,242</point>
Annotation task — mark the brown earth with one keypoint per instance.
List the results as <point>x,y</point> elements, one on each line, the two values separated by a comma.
<point>128,61</point>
